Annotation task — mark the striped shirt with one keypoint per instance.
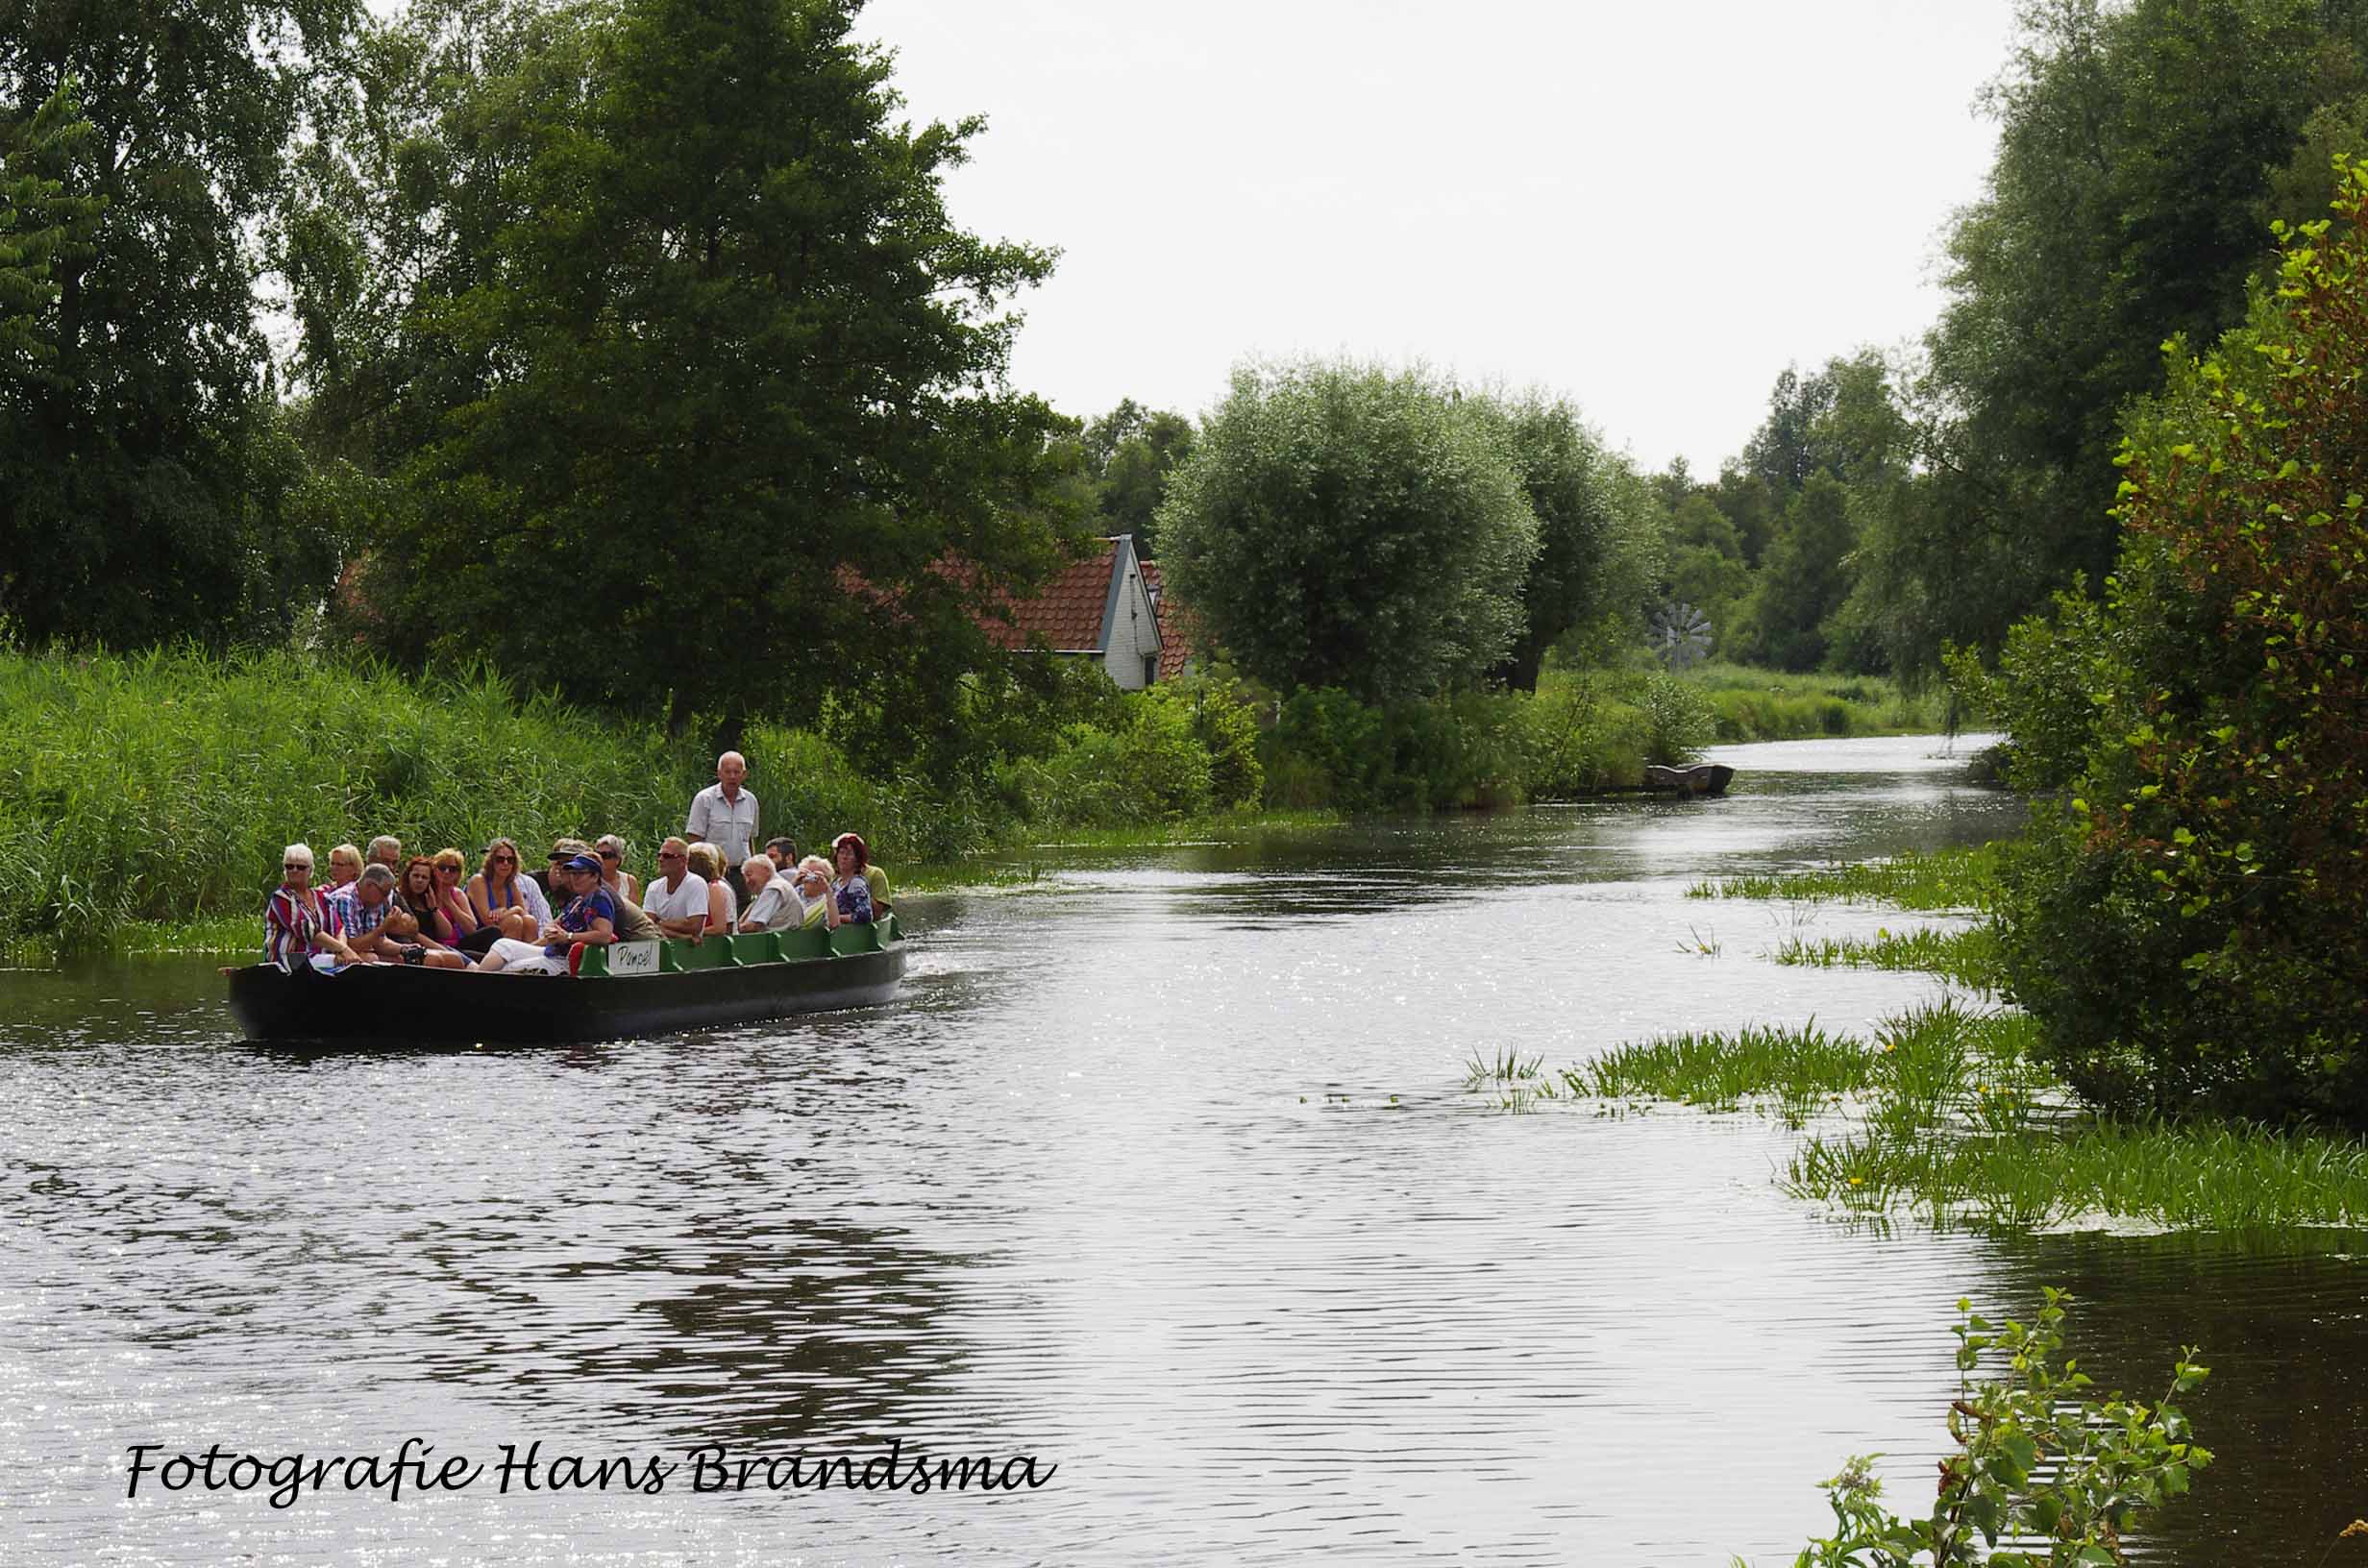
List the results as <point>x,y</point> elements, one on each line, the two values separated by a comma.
<point>289,923</point>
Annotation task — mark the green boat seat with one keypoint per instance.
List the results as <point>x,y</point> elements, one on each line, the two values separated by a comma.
<point>805,942</point>
<point>849,940</point>
<point>682,957</point>
<point>762,948</point>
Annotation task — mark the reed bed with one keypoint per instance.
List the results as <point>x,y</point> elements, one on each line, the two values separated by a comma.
<point>1750,705</point>
<point>1941,879</point>
<point>162,786</point>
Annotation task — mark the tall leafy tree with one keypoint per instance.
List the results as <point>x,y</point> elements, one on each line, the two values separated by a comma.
<point>147,487</point>
<point>1131,452</point>
<point>1575,489</point>
<point>1340,526</point>
<point>694,397</point>
<point>38,220</point>
<point>2138,147</point>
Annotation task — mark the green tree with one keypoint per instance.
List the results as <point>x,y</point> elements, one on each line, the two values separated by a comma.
<point>2191,928</point>
<point>1340,526</point>
<point>2138,145</point>
<point>147,488</point>
<point>1131,452</point>
<point>37,221</point>
<point>700,399</point>
<point>1574,490</point>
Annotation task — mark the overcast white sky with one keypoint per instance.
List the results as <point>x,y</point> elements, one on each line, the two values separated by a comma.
<point>1651,207</point>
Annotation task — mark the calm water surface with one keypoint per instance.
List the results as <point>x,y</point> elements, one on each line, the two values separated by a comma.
<point>1162,1172</point>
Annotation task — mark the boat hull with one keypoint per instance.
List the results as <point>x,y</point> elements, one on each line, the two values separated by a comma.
<point>1702,778</point>
<point>389,1004</point>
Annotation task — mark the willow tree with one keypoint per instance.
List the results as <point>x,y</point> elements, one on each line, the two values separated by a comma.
<point>1340,526</point>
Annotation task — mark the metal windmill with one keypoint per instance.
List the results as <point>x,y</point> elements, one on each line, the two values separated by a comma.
<point>1681,635</point>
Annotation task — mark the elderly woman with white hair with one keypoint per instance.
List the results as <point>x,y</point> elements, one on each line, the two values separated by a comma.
<point>295,928</point>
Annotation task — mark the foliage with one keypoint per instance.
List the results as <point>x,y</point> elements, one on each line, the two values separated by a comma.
<point>704,343</point>
<point>2138,144</point>
<point>1756,704</point>
<point>1340,527</point>
<point>147,489</point>
<point>2060,1474</point>
<point>37,221</point>
<point>1943,879</point>
<point>1579,493</point>
<point>160,786</point>
<point>1130,453</point>
<point>2189,926</point>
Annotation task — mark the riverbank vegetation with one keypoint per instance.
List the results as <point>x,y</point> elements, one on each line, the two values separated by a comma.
<point>158,787</point>
<point>2035,1460</point>
<point>1947,1113</point>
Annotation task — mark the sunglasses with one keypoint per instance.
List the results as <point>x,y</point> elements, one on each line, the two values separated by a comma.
<point>296,865</point>
<point>608,854</point>
<point>505,860</point>
<point>670,854</point>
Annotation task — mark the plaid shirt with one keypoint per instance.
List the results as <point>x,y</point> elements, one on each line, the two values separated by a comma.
<point>346,915</point>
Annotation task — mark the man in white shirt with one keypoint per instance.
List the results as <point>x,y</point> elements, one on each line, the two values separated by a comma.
<point>676,898</point>
<point>725,814</point>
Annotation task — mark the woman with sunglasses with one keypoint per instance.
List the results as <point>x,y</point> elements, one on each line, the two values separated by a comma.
<point>295,929</point>
<point>500,898</point>
<point>451,872</point>
<point>620,882</point>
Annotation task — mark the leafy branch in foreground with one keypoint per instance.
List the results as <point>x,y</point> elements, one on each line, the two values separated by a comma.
<point>2058,1474</point>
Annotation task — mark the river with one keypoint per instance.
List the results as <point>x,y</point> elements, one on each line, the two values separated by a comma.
<point>1163,1171</point>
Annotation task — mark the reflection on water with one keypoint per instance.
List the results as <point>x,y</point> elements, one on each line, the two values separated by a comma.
<point>1162,1172</point>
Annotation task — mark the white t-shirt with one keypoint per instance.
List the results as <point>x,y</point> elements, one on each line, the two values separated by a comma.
<point>679,904</point>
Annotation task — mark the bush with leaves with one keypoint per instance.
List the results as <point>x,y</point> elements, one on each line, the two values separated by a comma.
<point>2058,1474</point>
<point>2192,929</point>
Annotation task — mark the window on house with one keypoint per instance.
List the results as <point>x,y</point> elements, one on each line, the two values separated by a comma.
<point>1150,668</point>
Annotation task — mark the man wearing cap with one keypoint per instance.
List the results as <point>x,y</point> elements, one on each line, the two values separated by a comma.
<point>725,814</point>
<point>562,850</point>
<point>589,920</point>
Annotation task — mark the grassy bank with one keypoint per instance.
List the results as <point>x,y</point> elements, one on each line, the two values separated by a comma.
<point>144,799</point>
<point>1748,704</point>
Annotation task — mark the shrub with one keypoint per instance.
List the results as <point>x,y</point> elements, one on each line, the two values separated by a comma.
<point>2191,928</point>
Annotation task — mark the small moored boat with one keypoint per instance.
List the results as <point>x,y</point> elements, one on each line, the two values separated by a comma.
<point>629,988</point>
<point>1702,778</point>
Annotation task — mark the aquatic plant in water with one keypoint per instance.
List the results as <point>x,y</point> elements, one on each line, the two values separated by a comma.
<point>2043,1466</point>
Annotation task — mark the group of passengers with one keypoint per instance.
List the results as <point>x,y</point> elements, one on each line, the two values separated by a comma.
<point>432,912</point>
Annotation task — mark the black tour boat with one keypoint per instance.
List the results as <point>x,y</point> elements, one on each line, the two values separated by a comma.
<point>632,988</point>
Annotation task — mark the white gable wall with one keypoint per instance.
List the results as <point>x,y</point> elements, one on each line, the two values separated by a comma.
<point>1129,626</point>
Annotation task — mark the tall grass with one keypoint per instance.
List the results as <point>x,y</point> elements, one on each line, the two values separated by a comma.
<point>162,786</point>
<point>1969,956</point>
<point>1751,705</point>
<point>1945,1114</point>
<point>1940,880</point>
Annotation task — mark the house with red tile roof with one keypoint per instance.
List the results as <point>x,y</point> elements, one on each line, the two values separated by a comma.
<point>1179,633</point>
<point>1101,607</point>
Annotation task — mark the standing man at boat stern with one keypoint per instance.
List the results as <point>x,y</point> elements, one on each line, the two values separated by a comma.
<point>725,814</point>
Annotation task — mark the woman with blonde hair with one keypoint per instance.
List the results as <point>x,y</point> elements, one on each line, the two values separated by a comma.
<point>500,898</point>
<point>723,908</point>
